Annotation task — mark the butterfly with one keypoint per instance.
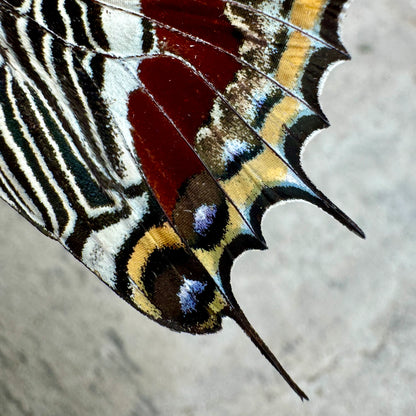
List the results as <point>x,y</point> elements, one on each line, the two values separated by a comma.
<point>148,137</point>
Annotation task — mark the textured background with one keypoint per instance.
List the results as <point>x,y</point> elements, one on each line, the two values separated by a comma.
<point>340,313</point>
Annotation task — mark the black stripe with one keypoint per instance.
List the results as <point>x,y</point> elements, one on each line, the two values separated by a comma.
<point>94,14</point>
<point>15,3</point>
<point>36,36</point>
<point>148,37</point>
<point>97,67</point>
<point>53,18</point>
<point>74,12</point>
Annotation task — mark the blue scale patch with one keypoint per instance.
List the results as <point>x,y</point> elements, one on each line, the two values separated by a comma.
<point>188,293</point>
<point>203,218</point>
<point>234,149</point>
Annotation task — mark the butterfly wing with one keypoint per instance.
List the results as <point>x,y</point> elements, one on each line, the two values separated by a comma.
<point>149,138</point>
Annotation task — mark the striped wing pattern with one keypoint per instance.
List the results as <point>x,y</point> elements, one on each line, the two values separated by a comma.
<point>149,137</point>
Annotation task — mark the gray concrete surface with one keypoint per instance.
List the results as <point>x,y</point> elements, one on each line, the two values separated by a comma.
<point>339,312</point>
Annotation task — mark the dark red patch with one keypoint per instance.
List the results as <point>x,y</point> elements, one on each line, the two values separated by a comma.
<point>166,159</point>
<point>204,37</point>
<point>214,64</point>
<point>199,18</point>
<point>185,98</point>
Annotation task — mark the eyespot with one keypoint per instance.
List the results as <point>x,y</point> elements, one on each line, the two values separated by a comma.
<point>201,214</point>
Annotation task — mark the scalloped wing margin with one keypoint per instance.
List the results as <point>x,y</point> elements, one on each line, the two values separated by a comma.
<point>246,155</point>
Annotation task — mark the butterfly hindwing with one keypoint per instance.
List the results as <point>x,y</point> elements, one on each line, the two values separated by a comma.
<point>149,138</point>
